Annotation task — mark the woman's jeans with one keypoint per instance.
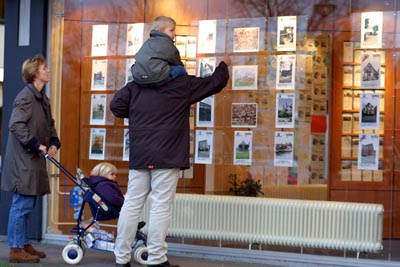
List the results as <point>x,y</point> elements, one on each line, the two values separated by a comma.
<point>21,207</point>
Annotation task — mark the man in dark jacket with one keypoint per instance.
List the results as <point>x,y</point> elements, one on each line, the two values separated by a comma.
<point>159,149</point>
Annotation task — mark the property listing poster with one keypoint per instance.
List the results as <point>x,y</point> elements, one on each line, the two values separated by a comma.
<point>348,76</point>
<point>369,111</point>
<point>371,29</point>
<point>134,38</point>
<point>205,112</point>
<point>382,76</point>
<point>370,70</point>
<point>283,149</point>
<point>190,66</point>
<point>357,76</point>
<point>348,52</point>
<point>284,114</point>
<point>188,173</point>
<point>180,44</point>
<point>207,36</point>
<point>207,66</point>
<point>125,150</point>
<point>246,39</point>
<point>285,72</point>
<point>357,53</point>
<point>244,115</point>
<point>98,109</point>
<point>97,143</point>
<point>204,147</point>
<point>99,40</point>
<point>128,73</point>
<point>368,152</point>
<point>287,33</point>
<point>186,45</point>
<point>99,74</point>
<point>244,77</point>
<point>242,152</point>
<point>191,43</point>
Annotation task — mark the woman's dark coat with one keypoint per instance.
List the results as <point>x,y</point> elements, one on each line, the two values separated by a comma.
<point>31,124</point>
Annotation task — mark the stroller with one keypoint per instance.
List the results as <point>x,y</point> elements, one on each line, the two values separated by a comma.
<point>74,251</point>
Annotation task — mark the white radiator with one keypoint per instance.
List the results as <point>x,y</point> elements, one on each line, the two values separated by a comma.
<point>302,223</point>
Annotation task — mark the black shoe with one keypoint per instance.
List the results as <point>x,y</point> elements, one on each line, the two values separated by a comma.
<point>123,265</point>
<point>164,264</point>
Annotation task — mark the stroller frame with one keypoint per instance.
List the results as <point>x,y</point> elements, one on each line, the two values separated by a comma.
<point>74,251</point>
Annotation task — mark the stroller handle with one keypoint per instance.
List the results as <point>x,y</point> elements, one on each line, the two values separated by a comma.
<point>62,168</point>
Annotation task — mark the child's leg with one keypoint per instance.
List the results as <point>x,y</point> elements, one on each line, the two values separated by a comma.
<point>177,71</point>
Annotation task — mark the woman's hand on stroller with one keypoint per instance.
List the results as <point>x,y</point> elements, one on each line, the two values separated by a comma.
<point>52,151</point>
<point>42,150</point>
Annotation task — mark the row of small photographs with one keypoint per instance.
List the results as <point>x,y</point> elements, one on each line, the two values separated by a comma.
<point>244,77</point>
<point>245,39</point>
<point>351,146</point>
<point>98,144</point>
<point>243,114</point>
<point>369,115</point>
<point>368,148</point>
<point>204,147</point>
<point>351,98</point>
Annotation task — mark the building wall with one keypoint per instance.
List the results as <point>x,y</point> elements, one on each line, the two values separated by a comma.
<point>14,56</point>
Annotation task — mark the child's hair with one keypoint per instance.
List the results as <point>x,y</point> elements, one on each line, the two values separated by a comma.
<point>103,169</point>
<point>161,22</point>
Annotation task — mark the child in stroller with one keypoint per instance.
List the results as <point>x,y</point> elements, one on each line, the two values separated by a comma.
<point>104,197</point>
<point>102,180</point>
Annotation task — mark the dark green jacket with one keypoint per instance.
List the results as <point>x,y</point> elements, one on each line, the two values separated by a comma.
<point>153,60</point>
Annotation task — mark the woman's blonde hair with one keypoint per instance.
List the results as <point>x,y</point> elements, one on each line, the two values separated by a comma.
<point>162,22</point>
<point>31,66</point>
<point>103,169</point>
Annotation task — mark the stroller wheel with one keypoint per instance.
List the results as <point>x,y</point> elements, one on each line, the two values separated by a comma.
<point>140,254</point>
<point>72,254</point>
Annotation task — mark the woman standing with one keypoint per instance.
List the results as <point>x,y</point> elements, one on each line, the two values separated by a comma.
<point>31,130</point>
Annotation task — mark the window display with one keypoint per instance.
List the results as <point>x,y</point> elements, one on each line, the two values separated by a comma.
<point>299,80</point>
<point>363,110</point>
<point>312,84</point>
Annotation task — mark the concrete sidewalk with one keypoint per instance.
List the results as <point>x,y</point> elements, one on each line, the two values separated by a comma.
<point>197,256</point>
<point>99,258</point>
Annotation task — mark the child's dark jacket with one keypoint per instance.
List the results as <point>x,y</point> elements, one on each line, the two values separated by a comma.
<point>107,189</point>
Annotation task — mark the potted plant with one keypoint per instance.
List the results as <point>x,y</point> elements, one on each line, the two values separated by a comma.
<point>248,187</point>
